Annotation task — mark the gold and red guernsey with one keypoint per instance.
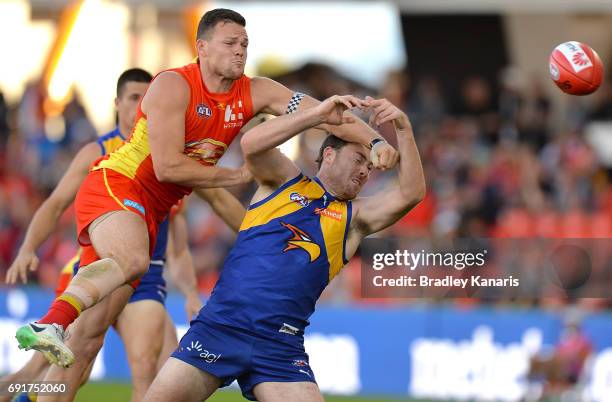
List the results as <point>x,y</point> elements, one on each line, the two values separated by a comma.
<point>212,121</point>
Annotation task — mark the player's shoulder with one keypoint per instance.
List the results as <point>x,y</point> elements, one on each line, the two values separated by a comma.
<point>263,83</point>
<point>171,80</point>
<point>169,88</point>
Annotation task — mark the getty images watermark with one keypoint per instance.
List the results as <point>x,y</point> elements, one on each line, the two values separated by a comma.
<point>486,268</point>
<point>405,259</point>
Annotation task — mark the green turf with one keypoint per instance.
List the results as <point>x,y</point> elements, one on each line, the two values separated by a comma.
<point>119,392</point>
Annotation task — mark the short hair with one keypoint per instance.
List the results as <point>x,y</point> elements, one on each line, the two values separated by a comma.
<point>209,21</point>
<point>330,141</point>
<point>132,75</point>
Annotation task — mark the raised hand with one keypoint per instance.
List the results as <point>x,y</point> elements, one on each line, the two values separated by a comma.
<point>332,110</point>
<point>384,111</point>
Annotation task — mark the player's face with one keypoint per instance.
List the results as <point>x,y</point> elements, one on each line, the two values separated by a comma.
<point>127,103</point>
<point>350,170</point>
<point>227,49</point>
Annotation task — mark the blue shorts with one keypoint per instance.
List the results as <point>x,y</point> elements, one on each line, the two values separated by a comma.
<point>231,354</point>
<point>152,286</point>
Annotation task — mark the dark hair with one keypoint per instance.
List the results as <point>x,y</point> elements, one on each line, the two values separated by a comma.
<point>330,141</point>
<point>213,17</point>
<point>132,75</point>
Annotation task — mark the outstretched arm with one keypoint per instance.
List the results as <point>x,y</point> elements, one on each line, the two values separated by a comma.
<point>375,213</point>
<point>48,214</point>
<point>272,97</point>
<point>225,205</point>
<point>165,104</point>
<point>180,264</point>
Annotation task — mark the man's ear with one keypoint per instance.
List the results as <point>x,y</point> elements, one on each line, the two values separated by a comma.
<point>202,47</point>
<point>329,155</point>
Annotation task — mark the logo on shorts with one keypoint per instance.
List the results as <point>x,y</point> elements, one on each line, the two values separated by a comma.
<point>203,110</point>
<point>134,204</point>
<point>301,240</point>
<point>300,363</point>
<point>196,346</point>
<point>289,329</point>
<point>299,199</point>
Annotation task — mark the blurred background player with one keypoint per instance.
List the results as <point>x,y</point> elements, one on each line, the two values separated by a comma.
<point>146,305</point>
<point>184,124</point>
<point>296,236</point>
<point>555,373</point>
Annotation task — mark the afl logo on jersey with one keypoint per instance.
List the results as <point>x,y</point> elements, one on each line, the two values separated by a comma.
<point>299,199</point>
<point>203,111</point>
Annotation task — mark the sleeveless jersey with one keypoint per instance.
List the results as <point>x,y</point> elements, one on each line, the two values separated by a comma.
<point>289,247</point>
<point>212,121</point>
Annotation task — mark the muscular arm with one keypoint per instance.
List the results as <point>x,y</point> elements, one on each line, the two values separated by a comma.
<point>272,97</point>
<point>180,263</point>
<point>48,214</point>
<point>375,213</point>
<point>225,205</point>
<point>165,104</point>
<point>269,166</point>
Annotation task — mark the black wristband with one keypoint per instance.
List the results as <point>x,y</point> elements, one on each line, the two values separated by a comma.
<point>376,141</point>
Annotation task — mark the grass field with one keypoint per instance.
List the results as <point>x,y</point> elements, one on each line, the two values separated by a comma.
<point>120,392</point>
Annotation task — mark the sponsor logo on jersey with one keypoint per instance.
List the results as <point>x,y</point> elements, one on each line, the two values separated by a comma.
<point>329,213</point>
<point>234,115</point>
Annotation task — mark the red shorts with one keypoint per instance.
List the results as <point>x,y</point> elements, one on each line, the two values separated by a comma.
<point>104,191</point>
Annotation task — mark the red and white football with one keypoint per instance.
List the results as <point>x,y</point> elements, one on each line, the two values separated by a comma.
<point>576,68</point>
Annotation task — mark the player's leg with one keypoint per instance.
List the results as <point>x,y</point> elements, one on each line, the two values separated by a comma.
<point>86,339</point>
<point>32,371</point>
<point>140,325</point>
<point>288,391</point>
<point>181,382</point>
<point>170,341</point>
<point>121,241</point>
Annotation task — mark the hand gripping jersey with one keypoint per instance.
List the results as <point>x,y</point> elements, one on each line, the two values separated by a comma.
<point>212,121</point>
<point>290,246</point>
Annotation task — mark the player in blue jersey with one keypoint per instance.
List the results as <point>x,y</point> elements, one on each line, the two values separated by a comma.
<point>296,236</point>
<point>146,304</point>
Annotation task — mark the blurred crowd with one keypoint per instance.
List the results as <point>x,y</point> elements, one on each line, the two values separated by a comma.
<point>499,158</point>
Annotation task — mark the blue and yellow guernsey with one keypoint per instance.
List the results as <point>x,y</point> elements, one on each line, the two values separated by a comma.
<point>290,246</point>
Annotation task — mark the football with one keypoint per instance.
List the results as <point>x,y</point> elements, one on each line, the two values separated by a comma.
<point>576,68</point>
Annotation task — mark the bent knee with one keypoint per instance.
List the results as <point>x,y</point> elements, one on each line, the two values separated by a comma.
<point>134,265</point>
